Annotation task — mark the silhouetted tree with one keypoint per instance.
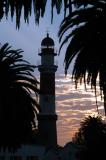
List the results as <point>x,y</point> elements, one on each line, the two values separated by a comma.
<point>85,29</point>
<point>92,135</point>
<point>30,6</point>
<point>18,109</point>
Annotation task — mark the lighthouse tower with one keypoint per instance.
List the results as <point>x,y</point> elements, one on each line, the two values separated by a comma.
<point>47,116</point>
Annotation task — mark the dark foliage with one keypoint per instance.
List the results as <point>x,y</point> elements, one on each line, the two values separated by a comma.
<point>18,108</point>
<point>86,33</point>
<point>38,7</point>
<point>91,135</point>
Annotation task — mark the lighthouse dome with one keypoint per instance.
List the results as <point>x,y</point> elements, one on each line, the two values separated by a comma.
<point>47,41</point>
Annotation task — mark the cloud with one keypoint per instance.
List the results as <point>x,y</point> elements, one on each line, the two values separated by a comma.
<point>72,106</point>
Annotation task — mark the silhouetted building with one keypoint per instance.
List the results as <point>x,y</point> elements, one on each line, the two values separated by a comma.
<point>47,116</point>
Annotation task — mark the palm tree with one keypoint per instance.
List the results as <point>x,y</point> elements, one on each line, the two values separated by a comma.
<point>90,131</point>
<point>18,109</point>
<point>30,6</point>
<point>86,43</point>
<point>91,135</point>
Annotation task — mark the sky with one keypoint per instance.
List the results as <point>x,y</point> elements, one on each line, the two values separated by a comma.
<point>29,36</point>
<point>71,105</point>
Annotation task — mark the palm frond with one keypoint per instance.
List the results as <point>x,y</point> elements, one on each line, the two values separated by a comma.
<point>18,108</point>
<point>84,30</point>
<point>38,7</point>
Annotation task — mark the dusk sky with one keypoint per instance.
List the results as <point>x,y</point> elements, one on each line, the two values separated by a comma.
<point>71,105</point>
<point>29,36</point>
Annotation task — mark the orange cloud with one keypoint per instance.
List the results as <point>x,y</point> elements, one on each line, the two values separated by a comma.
<point>72,106</point>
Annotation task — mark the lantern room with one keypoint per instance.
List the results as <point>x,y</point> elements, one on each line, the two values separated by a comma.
<point>47,51</point>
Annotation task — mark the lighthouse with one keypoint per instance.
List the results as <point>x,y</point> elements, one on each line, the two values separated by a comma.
<point>47,116</point>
